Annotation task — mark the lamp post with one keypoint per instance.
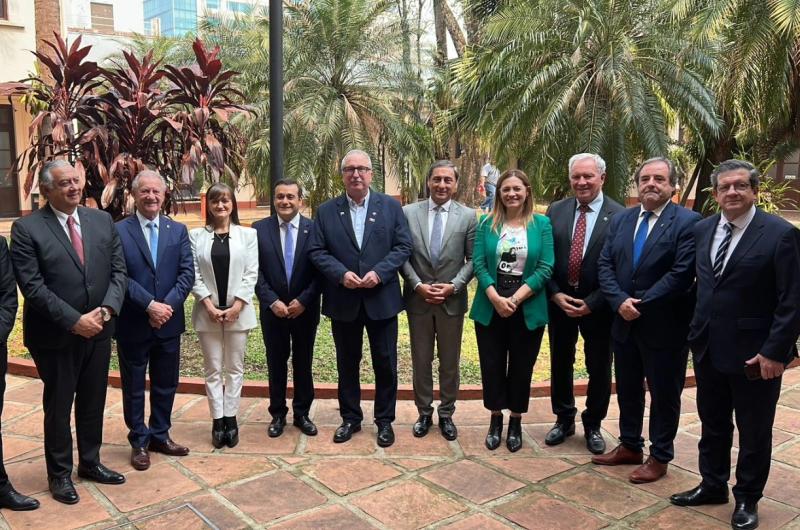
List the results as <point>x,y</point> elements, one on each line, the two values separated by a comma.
<point>275,96</point>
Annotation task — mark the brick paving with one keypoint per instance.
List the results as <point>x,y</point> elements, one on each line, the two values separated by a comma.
<point>297,481</point>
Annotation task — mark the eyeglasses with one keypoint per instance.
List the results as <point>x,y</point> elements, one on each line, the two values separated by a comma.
<point>350,170</point>
<point>738,186</point>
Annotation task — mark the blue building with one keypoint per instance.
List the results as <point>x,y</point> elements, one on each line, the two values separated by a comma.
<point>174,18</point>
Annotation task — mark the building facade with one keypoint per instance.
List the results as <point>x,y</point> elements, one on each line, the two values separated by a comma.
<point>175,18</point>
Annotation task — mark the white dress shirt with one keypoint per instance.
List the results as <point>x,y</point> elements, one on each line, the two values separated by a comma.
<point>740,224</point>
<point>143,221</point>
<point>295,222</point>
<point>358,215</point>
<point>62,220</point>
<point>591,218</point>
<point>650,222</point>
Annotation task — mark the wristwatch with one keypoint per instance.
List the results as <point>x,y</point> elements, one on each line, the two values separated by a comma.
<point>105,313</point>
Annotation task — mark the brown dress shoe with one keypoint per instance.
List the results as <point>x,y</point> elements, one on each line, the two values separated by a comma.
<point>650,471</point>
<point>618,456</point>
<point>140,458</point>
<point>167,447</point>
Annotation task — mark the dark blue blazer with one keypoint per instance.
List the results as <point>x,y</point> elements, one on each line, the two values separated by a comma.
<point>386,246</point>
<point>272,284</point>
<point>754,307</point>
<point>662,279</point>
<point>169,283</point>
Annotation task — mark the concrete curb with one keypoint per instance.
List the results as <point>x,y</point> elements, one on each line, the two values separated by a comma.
<point>196,385</point>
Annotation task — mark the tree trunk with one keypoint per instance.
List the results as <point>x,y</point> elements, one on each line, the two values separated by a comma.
<point>441,33</point>
<point>450,21</point>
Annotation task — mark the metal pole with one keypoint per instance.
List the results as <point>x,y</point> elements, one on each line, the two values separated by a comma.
<point>275,96</point>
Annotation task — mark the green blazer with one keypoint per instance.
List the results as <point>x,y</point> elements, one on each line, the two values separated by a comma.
<point>538,269</point>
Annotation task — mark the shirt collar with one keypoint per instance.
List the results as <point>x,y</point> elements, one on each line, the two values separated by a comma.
<point>144,220</point>
<point>742,221</point>
<point>294,221</point>
<point>62,217</point>
<point>445,207</point>
<point>353,205</point>
<point>595,205</point>
<point>656,212</point>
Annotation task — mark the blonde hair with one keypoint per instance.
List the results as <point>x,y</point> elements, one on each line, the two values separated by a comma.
<point>499,214</point>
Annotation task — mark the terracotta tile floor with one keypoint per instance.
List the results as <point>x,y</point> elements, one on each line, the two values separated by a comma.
<point>297,481</point>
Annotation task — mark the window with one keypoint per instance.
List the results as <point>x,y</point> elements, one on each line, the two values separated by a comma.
<point>4,9</point>
<point>102,17</point>
<point>212,4</point>
<point>239,7</point>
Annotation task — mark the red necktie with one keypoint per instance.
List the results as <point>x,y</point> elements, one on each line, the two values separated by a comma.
<point>576,250</point>
<point>75,237</point>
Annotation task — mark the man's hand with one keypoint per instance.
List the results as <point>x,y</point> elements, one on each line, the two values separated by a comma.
<point>154,323</point>
<point>769,368</point>
<point>279,309</point>
<point>435,293</point>
<point>627,309</point>
<point>351,280</point>
<point>159,313</point>
<point>370,280</point>
<point>89,325</point>
<point>572,307</point>
<point>295,308</point>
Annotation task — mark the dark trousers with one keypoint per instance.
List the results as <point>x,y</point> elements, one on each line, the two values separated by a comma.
<point>507,350</point>
<point>5,485</point>
<point>595,328</point>
<point>719,397</point>
<point>285,337</point>
<point>348,338</point>
<point>665,373</point>
<point>163,357</point>
<point>79,373</point>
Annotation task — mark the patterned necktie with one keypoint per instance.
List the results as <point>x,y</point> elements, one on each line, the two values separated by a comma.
<point>153,241</point>
<point>288,251</point>
<point>719,259</point>
<point>576,250</point>
<point>436,236</point>
<point>641,237</point>
<point>75,238</point>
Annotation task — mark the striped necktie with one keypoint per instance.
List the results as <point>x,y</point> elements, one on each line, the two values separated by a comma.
<point>722,251</point>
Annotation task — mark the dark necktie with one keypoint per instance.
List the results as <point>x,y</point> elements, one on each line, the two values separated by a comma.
<point>641,237</point>
<point>719,259</point>
<point>75,238</point>
<point>576,250</point>
<point>288,252</point>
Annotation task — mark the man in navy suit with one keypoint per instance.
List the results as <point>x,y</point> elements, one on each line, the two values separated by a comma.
<point>361,240</point>
<point>646,272</point>
<point>288,292</point>
<point>743,333</point>
<point>160,275</point>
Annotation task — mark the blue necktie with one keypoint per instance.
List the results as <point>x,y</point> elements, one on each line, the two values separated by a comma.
<point>288,251</point>
<point>436,236</point>
<point>640,238</point>
<point>153,241</point>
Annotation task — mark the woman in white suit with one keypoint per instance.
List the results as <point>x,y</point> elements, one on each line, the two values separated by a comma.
<point>225,269</point>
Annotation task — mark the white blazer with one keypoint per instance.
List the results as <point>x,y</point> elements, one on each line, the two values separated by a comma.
<point>242,276</point>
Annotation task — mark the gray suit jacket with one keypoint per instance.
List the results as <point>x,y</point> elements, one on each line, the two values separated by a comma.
<point>455,261</point>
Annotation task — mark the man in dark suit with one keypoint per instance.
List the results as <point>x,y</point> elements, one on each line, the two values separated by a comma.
<point>435,291</point>
<point>9,497</point>
<point>360,241</point>
<point>288,292</point>
<point>646,272</point>
<point>743,333</point>
<point>158,257</point>
<point>70,268</point>
<point>580,225</point>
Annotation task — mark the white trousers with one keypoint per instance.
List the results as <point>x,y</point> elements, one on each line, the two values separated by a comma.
<point>223,353</point>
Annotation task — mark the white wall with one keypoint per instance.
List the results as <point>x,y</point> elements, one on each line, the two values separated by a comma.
<point>128,14</point>
<point>17,40</point>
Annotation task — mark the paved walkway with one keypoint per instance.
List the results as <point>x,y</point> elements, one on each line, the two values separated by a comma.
<point>308,482</point>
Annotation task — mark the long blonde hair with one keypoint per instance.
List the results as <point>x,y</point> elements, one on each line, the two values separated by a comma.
<point>499,214</point>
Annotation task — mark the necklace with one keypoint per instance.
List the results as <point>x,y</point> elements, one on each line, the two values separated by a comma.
<point>221,237</point>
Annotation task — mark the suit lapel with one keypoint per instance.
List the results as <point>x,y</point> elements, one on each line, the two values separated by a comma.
<point>347,222</point>
<point>55,226</point>
<point>600,226</point>
<point>302,237</point>
<point>421,215</point>
<point>453,218</point>
<point>749,237</point>
<point>135,230</point>
<point>373,212</point>
<point>661,225</point>
<point>704,245</point>
<point>164,231</point>
<point>628,228</point>
<point>275,239</point>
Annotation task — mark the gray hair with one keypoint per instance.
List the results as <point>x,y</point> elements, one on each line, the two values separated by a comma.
<point>442,163</point>
<point>673,173</point>
<point>353,152</point>
<point>733,165</point>
<point>147,173</point>
<point>598,161</point>
<point>46,175</point>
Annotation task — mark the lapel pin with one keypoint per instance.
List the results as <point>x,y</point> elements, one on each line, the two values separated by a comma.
<point>305,231</point>
<point>341,213</point>
<point>371,219</point>
<point>605,218</point>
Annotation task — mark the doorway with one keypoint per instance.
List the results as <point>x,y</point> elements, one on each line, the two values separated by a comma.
<point>9,186</point>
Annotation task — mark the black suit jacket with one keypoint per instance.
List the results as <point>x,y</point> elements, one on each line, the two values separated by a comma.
<point>272,284</point>
<point>662,279</point>
<point>754,307</point>
<point>8,294</point>
<point>562,217</point>
<point>56,287</point>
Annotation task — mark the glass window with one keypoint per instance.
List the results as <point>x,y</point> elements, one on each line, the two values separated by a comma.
<point>102,17</point>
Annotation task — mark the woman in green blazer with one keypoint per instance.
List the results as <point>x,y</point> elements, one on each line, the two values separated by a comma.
<point>513,259</point>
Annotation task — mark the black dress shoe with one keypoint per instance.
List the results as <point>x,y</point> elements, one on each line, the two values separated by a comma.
<point>17,502</point>
<point>559,432</point>
<point>305,425</point>
<point>422,426</point>
<point>276,426</point>
<point>594,441</point>
<point>745,515</point>
<point>63,490</point>
<point>699,496</point>
<point>218,433</point>
<point>231,431</point>
<point>345,431</point>
<point>495,432</point>
<point>514,436</point>
<point>385,435</point>
<point>167,447</point>
<point>101,474</point>
<point>448,428</point>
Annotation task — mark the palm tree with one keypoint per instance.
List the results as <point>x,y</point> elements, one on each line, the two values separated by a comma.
<point>556,77</point>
